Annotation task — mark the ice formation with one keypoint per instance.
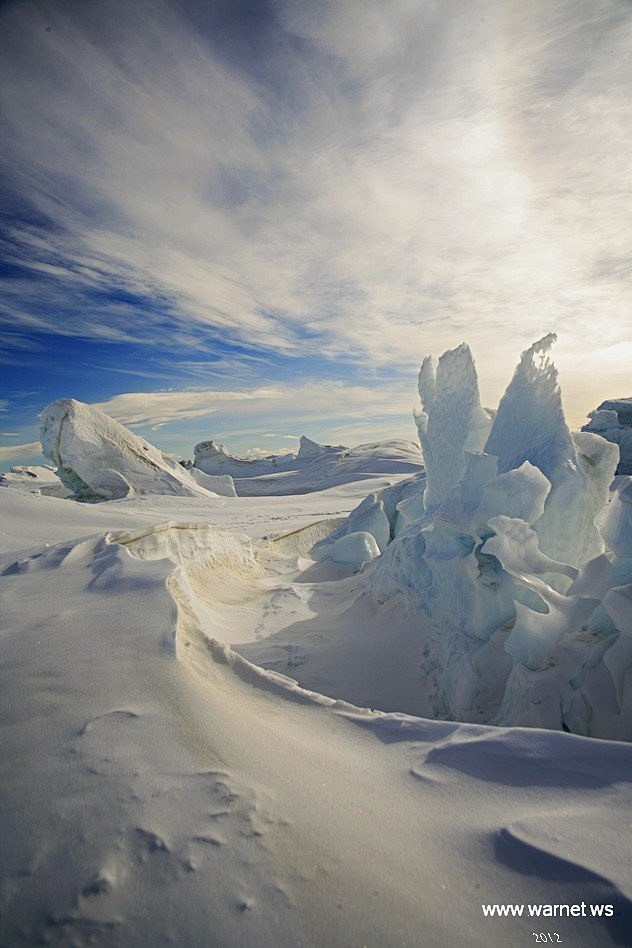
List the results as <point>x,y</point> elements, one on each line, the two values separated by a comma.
<point>353,549</point>
<point>96,457</point>
<point>449,403</point>
<point>512,549</point>
<point>613,421</point>
<point>530,426</point>
<point>314,467</point>
<point>214,459</point>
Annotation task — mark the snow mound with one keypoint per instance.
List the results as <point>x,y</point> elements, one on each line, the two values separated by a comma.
<point>613,421</point>
<point>354,549</point>
<point>96,457</point>
<point>316,466</point>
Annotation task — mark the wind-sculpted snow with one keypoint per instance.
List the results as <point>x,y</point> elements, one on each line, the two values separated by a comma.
<point>487,547</point>
<point>221,803</point>
<point>96,457</point>
<point>34,479</point>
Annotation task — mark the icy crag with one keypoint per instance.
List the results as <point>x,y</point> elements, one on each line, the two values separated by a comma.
<point>511,553</point>
<point>98,458</point>
<point>314,467</point>
<point>613,421</point>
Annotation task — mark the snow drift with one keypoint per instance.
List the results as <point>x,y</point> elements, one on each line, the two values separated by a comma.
<point>513,550</point>
<point>96,457</point>
<point>159,789</point>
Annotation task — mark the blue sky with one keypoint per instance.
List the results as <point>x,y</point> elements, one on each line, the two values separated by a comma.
<point>252,220</point>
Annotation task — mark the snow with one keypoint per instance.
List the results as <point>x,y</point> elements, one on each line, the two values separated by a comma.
<point>160,788</point>
<point>222,484</point>
<point>42,479</point>
<point>221,713</point>
<point>315,467</point>
<point>96,457</point>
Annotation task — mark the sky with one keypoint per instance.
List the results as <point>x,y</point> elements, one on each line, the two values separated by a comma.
<point>252,219</point>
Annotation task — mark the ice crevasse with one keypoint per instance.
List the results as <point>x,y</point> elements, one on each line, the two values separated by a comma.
<point>514,553</point>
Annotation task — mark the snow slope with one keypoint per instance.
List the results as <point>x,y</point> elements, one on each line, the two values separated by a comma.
<point>159,789</point>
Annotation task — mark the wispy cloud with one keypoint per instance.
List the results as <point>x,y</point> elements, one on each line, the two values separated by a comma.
<point>161,408</point>
<point>240,418</point>
<point>438,172</point>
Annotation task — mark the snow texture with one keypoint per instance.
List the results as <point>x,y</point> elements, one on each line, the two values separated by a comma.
<point>222,803</point>
<point>203,688</point>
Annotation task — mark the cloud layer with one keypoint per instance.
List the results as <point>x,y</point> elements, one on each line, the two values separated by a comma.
<point>340,187</point>
<point>385,179</point>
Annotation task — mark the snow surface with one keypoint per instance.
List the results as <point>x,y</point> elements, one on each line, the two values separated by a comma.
<point>161,789</point>
<point>217,710</point>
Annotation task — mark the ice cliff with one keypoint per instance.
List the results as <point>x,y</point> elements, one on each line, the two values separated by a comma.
<point>513,549</point>
<point>96,457</point>
<point>613,421</point>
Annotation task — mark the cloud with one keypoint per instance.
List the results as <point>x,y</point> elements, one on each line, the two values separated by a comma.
<point>31,450</point>
<point>381,181</point>
<point>161,408</point>
<point>241,418</point>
